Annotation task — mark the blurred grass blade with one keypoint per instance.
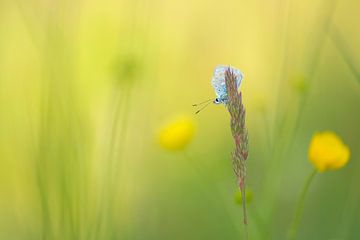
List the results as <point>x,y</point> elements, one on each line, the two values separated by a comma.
<point>344,49</point>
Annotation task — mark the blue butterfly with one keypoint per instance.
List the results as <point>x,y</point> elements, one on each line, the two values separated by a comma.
<point>218,83</point>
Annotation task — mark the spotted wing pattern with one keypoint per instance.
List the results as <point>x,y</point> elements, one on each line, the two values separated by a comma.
<point>218,80</point>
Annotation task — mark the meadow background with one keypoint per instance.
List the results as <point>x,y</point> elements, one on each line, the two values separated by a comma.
<point>86,86</point>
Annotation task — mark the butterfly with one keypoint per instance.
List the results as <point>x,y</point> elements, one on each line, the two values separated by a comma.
<point>219,85</point>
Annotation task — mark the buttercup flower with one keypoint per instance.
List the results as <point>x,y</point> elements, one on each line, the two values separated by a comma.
<point>327,151</point>
<point>176,135</point>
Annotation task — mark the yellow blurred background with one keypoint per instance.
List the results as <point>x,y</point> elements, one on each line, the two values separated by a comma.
<point>86,88</point>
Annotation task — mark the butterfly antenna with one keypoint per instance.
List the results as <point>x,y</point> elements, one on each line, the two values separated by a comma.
<point>202,108</point>
<point>198,104</point>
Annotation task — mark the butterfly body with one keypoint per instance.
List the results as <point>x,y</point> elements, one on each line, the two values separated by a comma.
<point>218,83</point>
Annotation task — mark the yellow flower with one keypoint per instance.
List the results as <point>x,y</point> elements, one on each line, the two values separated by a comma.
<point>327,151</point>
<point>177,134</point>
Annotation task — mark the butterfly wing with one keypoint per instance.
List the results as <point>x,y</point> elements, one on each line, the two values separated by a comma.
<point>218,80</point>
<point>239,76</point>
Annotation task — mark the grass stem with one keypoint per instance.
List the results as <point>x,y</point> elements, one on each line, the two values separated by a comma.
<point>345,51</point>
<point>243,194</point>
<point>300,207</point>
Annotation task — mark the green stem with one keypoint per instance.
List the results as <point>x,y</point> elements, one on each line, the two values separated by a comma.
<point>300,207</point>
<point>345,51</point>
<point>243,194</point>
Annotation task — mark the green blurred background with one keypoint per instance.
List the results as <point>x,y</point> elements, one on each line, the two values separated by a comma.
<point>86,85</point>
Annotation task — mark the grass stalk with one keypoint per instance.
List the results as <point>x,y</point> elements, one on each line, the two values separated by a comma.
<point>292,234</point>
<point>345,51</point>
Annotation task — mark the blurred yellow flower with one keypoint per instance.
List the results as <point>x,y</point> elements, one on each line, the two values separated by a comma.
<point>177,134</point>
<point>327,151</point>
